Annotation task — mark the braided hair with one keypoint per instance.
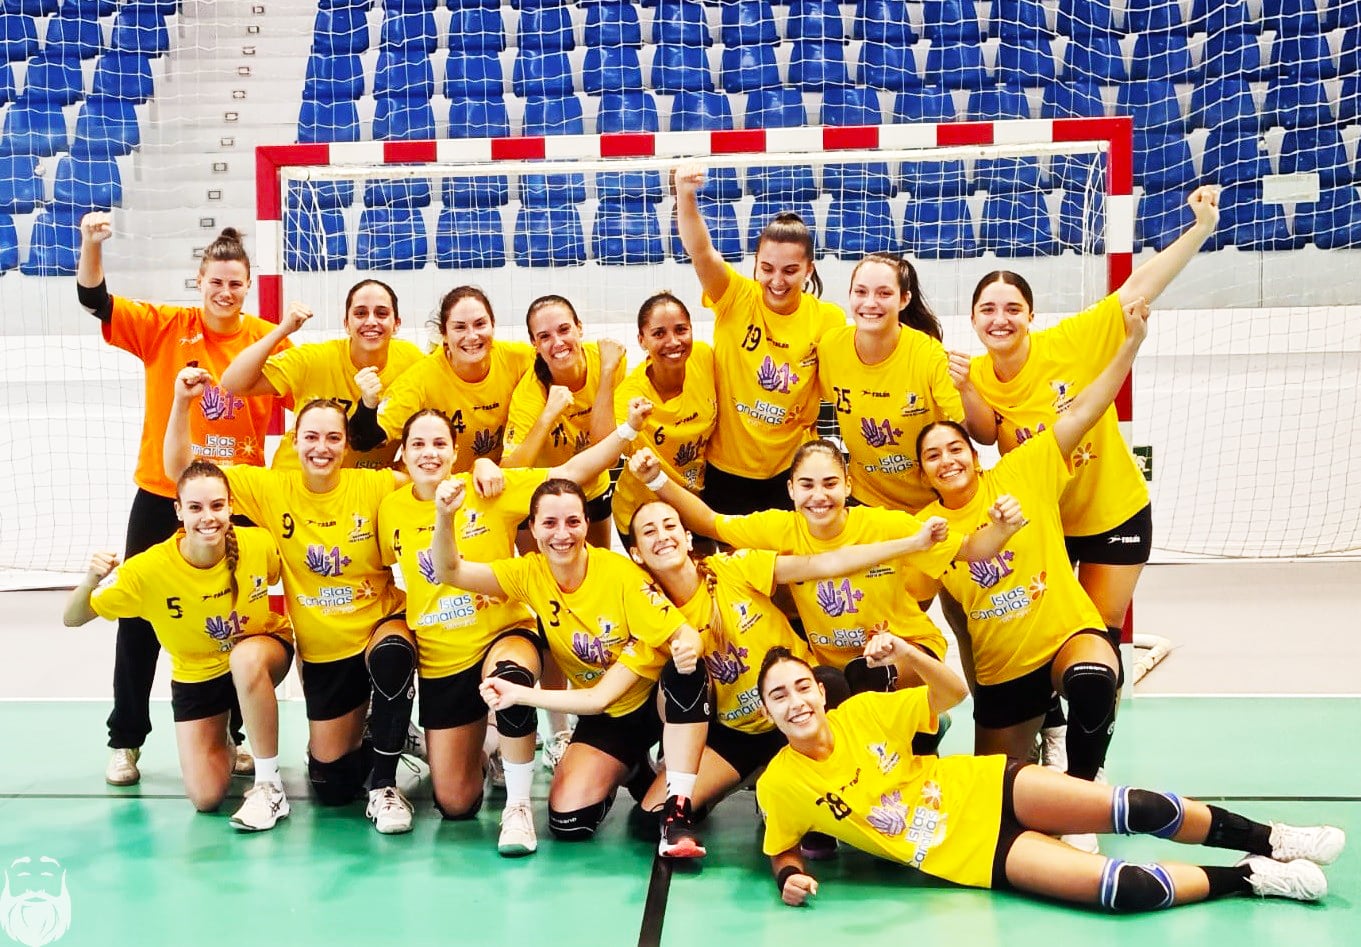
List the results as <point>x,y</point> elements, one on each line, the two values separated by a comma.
<point>207,470</point>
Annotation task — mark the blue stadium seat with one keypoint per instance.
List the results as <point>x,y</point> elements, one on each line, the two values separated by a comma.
<point>1296,104</point>
<point>319,195</point>
<point>1002,175</point>
<point>163,7</point>
<point>1162,217</point>
<point>793,182</point>
<point>141,29</point>
<point>951,20</point>
<point>1232,156</point>
<point>1016,224</point>
<point>933,179</point>
<point>38,129</point>
<point>397,192</point>
<point>314,240</point>
<point>1349,59</point>
<point>1315,150</point>
<point>888,66</point>
<point>682,23</point>
<point>106,128</point>
<point>846,107</point>
<point>1333,222</point>
<point>681,69</point>
<point>1082,221</point>
<point>403,119</point>
<point>1249,224</point>
<point>123,76</point>
<point>749,23</point>
<point>626,232</point>
<point>955,65</point>
<point>775,108</point>
<point>1348,102</point>
<point>477,28</point>
<point>764,211</point>
<point>478,118</point>
<point>409,30</point>
<point>71,34</point>
<point>1212,17</point>
<point>552,190</point>
<point>1084,18</point>
<point>749,68</point>
<point>391,238</point>
<point>628,112</point>
<point>1341,14</point>
<point>1093,55</point>
<point>21,189</point>
<point>701,111</point>
<point>53,80</point>
<point>1020,21</point>
<point>1224,103</point>
<point>1028,63</point>
<point>1153,16</point>
<point>1153,105</point>
<point>721,219</point>
<point>815,19</point>
<point>613,24</point>
<point>1231,55</point>
<point>1302,57</point>
<point>549,236</point>
<point>541,73</point>
<point>405,74</point>
<point>1161,56</point>
<point>328,121</point>
<point>1071,172</point>
<point>9,244</point>
<point>995,104</point>
<point>470,238</point>
<point>883,21</point>
<point>614,69</point>
<point>559,115</point>
<point>54,242</point>
<point>1291,17</point>
<point>851,106</point>
<point>333,77</point>
<point>931,104</point>
<point>475,74</point>
<point>32,7</point>
<point>545,29</point>
<point>939,228</point>
<point>816,65</point>
<point>1162,161</point>
<point>1072,100</point>
<point>482,192</point>
<point>858,226</point>
<point>6,84</point>
<point>18,37</point>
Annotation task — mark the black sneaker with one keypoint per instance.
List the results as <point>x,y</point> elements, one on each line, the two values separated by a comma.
<point>678,831</point>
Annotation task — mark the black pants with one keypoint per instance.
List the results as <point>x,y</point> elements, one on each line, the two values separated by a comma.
<point>151,520</point>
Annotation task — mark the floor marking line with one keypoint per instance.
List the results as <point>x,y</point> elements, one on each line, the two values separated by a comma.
<point>654,908</point>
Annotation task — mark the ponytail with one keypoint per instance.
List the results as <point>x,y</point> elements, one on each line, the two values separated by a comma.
<point>789,227</point>
<point>226,246</point>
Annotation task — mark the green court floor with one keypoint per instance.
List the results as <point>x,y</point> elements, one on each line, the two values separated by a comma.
<point>141,867</point>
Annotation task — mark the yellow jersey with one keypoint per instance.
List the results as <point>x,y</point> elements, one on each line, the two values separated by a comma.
<point>192,610</point>
<point>841,615</point>
<point>325,370</point>
<point>677,430</point>
<point>1024,603</point>
<point>738,624</point>
<point>453,627</point>
<point>335,582</point>
<point>940,815</point>
<point>1107,487</point>
<point>767,369</point>
<point>882,408</point>
<point>617,614</point>
<point>572,434</point>
<point>478,409</point>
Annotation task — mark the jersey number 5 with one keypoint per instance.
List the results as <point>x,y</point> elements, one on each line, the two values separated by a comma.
<point>172,605</point>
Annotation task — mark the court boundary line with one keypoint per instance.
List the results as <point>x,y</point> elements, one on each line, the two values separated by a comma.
<point>654,907</point>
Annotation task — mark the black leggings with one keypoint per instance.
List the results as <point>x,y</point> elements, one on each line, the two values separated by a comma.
<point>152,520</point>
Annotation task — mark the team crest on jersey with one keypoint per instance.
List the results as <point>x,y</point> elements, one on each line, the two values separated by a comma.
<point>362,530</point>
<point>1063,395</point>
<point>747,616</point>
<point>472,525</point>
<point>913,405</point>
<point>887,760</point>
<point>258,588</point>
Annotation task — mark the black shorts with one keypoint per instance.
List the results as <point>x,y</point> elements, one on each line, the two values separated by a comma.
<point>333,689</point>
<point>997,706</point>
<point>743,751</point>
<point>597,510</point>
<point>1129,544</point>
<point>732,495</point>
<point>454,700</point>
<point>626,738</point>
<point>1009,830</point>
<point>205,699</point>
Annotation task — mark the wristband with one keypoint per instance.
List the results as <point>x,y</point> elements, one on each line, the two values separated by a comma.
<point>625,432</point>
<point>657,482</point>
<point>787,872</point>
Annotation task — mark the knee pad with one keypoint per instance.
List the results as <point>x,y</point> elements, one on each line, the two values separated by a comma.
<point>392,667</point>
<point>860,677</point>
<point>517,721</point>
<point>341,781</point>
<point>685,697</point>
<point>1144,812</point>
<point>469,813</point>
<point>1127,888</point>
<point>1091,690</point>
<point>834,684</point>
<point>578,825</point>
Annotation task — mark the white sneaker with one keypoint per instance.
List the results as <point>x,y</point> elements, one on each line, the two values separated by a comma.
<point>555,748</point>
<point>1320,844</point>
<point>1301,879</point>
<point>517,831</point>
<point>265,804</point>
<point>1083,842</point>
<point>496,771</point>
<point>1054,748</point>
<point>122,769</point>
<point>415,743</point>
<point>243,764</point>
<point>389,811</point>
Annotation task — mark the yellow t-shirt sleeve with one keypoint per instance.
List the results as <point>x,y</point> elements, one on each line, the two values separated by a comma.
<point>119,595</point>
<point>250,486</point>
<point>782,831</point>
<point>1090,338</point>
<point>651,616</point>
<point>526,404</point>
<point>286,370</point>
<point>762,530</point>
<point>943,390</point>
<point>512,575</point>
<point>756,568</point>
<point>903,712</point>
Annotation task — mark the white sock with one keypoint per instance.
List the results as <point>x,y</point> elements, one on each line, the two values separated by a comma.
<point>267,770</point>
<point>519,781</point>
<point>680,784</point>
